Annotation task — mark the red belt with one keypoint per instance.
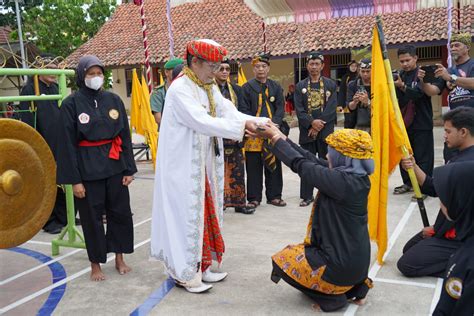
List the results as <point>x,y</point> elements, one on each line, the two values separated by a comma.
<point>115,149</point>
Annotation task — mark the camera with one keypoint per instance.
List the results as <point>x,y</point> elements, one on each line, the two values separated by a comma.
<point>395,75</point>
<point>361,89</point>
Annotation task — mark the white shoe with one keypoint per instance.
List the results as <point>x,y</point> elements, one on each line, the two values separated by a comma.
<point>198,289</point>
<point>212,277</point>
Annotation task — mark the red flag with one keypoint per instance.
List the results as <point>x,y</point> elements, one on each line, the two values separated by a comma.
<point>138,2</point>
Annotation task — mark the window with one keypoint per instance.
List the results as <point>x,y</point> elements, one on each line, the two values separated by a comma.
<point>128,79</point>
<point>429,53</point>
<point>341,60</point>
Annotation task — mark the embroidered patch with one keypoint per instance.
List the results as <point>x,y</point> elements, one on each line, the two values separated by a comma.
<point>84,118</point>
<point>454,287</point>
<point>272,99</point>
<point>328,94</point>
<point>304,90</point>
<point>114,114</point>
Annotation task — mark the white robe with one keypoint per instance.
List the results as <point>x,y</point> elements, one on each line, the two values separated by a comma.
<point>185,153</point>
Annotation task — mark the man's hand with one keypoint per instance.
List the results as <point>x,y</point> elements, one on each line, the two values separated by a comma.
<point>318,125</point>
<point>251,126</point>
<point>364,98</point>
<point>399,83</point>
<point>408,163</point>
<point>421,75</point>
<point>312,133</point>
<point>442,73</point>
<point>126,180</point>
<point>79,190</point>
<point>428,232</point>
<point>268,131</point>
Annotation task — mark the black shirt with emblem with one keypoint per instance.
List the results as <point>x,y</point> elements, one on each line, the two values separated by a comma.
<point>457,294</point>
<point>92,116</point>
<point>461,96</point>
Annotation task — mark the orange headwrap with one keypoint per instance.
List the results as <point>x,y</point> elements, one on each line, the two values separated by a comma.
<point>206,49</point>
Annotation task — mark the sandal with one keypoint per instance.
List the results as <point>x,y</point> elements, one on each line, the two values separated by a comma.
<point>402,189</point>
<point>306,202</point>
<point>277,202</point>
<point>253,204</point>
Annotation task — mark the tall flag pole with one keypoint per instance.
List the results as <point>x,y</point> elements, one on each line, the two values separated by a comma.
<point>170,27</point>
<point>141,3</point>
<point>450,30</point>
<point>264,37</point>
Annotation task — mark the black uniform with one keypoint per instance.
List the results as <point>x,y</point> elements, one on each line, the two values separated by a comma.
<point>254,160</point>
<point>91,116</point>
<point>429,256</point>
<point>349,117</point>
<point>418,115</point>
<point>362,114</point>
<point>326,113</point>
<point>47,121</point>
<point>454,185</point>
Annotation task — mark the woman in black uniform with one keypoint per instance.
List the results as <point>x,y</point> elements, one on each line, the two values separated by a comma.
<point>95,156</point>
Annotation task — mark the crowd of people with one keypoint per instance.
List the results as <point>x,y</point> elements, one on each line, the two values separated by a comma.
<point>219,140</point>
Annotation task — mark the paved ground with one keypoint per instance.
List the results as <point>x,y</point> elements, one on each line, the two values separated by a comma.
<point>27,274</point>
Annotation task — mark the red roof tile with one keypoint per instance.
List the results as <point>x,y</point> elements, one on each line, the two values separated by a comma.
<point>230,22</point>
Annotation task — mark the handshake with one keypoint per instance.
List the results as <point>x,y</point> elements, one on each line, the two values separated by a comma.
<point>265,130</point>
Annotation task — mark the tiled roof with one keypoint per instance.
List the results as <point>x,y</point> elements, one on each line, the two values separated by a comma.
<point>5,34</point>
<point>230,22</point>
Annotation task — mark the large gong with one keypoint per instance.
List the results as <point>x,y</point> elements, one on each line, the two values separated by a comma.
<point>27,182</point>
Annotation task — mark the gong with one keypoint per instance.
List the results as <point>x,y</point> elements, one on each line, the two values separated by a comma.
<point>27,182</point>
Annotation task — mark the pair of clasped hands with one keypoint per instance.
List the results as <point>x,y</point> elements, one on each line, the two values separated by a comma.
<point>268,130</point>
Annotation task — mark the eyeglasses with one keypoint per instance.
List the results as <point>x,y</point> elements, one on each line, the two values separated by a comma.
<point>214,66</point>
<point>224,69</point>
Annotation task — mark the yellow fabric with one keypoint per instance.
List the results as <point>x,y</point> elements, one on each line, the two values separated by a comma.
<point>309,228</point>
<point>150,128</point>
<point>389,136</point>
<point>256,144</point>
<point>162,81</point>
<point>241,79</point>
<point>292,260</point>
<point>136,100</point>
<point>352,143</point>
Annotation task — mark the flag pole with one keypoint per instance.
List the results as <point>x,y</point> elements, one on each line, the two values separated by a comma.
<point>399,119</point>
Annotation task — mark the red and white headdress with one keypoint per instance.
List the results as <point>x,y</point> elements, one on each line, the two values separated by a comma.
<point>206,49</point>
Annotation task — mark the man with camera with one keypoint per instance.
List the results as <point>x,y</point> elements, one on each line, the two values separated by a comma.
<point>459,78</point>
<point>358,96</point>
<point>415,86</point>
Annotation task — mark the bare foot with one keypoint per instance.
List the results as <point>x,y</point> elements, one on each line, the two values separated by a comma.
<point>96,272</point>
<point>360,302</point>
<point>316,307</point>
<point>120,265</point>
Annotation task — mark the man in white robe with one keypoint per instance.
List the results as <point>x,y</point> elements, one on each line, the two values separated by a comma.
<point>191,153</point>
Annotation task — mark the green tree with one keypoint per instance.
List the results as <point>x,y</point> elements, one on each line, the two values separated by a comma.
<point>60,27</point>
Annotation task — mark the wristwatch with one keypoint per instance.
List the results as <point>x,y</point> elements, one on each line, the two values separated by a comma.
<point>453,79</point>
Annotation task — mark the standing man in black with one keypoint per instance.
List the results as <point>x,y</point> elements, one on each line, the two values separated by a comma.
<point>46,123</point>
<point>414,97</point>
<point>349,117</point>
<point>315,104</point>
<point>358,96</point>
<point>264,98</point>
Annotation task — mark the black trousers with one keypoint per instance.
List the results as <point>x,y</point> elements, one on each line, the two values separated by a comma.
<point>108,196</point>
<point>59,214</point>
<point>422,143</point>
<point>254,166</point>
<point>319,147</point>
<point>327,302</point>
<point>426,256</point>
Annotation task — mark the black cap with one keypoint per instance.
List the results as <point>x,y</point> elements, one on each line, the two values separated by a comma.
<point>315,55</point>
<point>353,61</point>
<point>225,60</point>
<point>261,57</point>
<point>365,63</point>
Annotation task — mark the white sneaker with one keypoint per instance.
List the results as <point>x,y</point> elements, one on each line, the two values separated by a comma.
<point>198,289</point>
<point>212,277</point>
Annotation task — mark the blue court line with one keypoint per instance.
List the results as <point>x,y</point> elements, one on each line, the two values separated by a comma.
<point>58,273</point>
<point>154,299</point>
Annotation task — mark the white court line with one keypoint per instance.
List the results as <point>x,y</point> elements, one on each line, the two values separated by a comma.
<point>436,295</point>
<point>351,310</point>
<point>36,242</point>
<point>59,283</point>
<point>392,281</point>
<point>47,263</point>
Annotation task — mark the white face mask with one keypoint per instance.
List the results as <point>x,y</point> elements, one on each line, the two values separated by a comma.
<point>94,83</point>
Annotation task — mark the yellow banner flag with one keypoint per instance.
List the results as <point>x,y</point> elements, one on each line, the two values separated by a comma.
<point>148,123</point>
<point>390,140</point>
<point>136,101</point>
<point>241,79</point>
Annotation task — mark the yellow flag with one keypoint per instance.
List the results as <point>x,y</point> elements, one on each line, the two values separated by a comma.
<point>136,101</point>
<point>148,123</point>
<point>241,79</point>
<point>162,81</point>
<point>389,137</point>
